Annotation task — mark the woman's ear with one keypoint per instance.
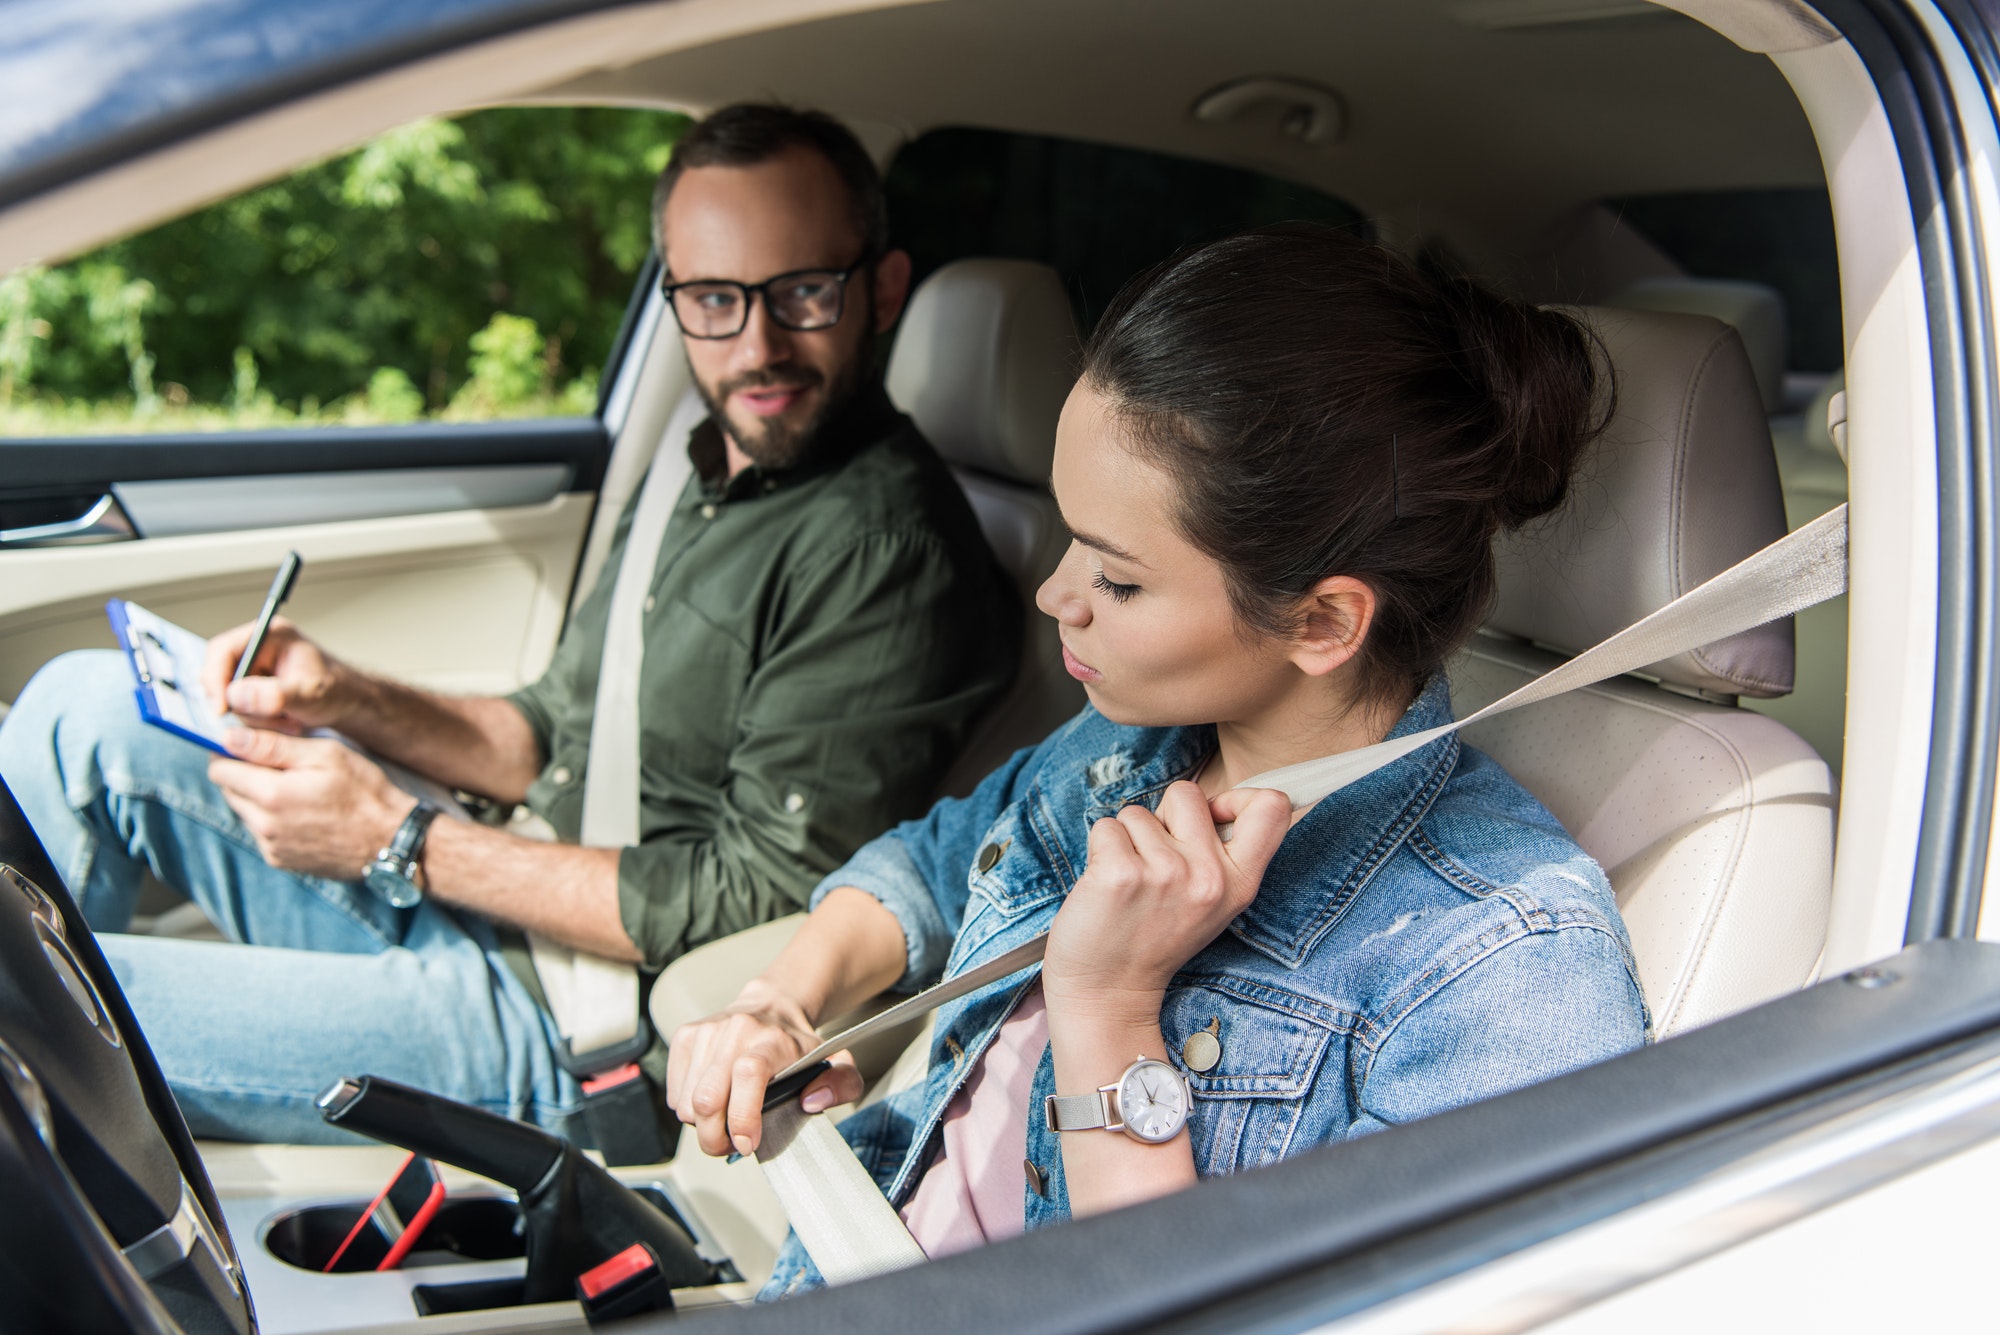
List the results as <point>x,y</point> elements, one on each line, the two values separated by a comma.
<point>1335,622</point>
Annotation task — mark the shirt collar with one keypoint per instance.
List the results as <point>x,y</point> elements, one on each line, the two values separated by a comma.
<point>1334,849</point>
<point>1338,846</point>
<point>863,419</point>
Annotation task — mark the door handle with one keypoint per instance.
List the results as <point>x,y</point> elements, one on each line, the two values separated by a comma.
<point>104,521</point>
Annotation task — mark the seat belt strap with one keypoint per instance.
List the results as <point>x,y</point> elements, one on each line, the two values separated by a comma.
<point>595,1001</point>
<point>841,1216</point>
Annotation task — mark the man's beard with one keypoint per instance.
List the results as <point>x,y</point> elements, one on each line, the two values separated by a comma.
<point>771,442</point>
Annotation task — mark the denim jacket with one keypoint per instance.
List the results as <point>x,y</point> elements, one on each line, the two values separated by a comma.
<point>1425,938</point>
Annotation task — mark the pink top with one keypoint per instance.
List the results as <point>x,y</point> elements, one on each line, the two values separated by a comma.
<point>972,1192</point>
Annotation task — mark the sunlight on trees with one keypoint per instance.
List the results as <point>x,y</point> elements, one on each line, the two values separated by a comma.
<point>465,269</point>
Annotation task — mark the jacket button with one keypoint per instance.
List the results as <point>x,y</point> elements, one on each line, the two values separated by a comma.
<point>987,857</point>
<point>1037,1181</point>
<point>1203,1048</point>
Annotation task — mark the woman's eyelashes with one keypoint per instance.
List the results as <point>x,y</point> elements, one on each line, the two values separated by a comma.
<point>1119,592</point>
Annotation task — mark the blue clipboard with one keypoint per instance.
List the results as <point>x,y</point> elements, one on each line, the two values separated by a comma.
<point>166,665</point>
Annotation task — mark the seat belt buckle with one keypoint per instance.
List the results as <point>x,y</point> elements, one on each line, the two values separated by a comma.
<point>618,1108</point>
<point>628,1284</point>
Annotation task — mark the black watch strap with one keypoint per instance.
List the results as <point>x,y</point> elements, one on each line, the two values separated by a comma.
<point>408,845</point>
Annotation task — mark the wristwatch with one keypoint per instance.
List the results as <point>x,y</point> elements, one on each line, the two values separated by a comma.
<point>1152,1100</point>
<point>393,873</point>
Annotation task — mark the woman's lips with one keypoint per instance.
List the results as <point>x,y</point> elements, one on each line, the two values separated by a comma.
<point>1079,669</point>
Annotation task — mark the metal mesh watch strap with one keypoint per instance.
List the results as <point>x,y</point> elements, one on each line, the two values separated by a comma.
<point>1077,1112</point>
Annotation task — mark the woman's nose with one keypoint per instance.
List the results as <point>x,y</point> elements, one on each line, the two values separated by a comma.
<point>1062,593</point>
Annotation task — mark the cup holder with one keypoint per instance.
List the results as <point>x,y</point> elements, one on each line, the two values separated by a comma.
<point>471,1228</point>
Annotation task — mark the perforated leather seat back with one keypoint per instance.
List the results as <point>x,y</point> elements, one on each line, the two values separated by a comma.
<point>985,357</point>
<point>1714,823</point>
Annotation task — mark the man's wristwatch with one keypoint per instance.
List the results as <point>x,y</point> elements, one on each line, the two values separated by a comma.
<point>393,873</point>
<point>1152,1100</point>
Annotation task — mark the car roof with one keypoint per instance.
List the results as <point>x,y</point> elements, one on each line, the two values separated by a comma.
<point>1498,113</point>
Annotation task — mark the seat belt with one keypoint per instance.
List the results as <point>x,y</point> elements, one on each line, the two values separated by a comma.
<point>595,1001</point>
<point>842,1218</point>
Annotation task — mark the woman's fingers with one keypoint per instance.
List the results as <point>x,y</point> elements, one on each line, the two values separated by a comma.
<point>748,1078</point>
<point>842,1083</point>
<point>1261,817</point>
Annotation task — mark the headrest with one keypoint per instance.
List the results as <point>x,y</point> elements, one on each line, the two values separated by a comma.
<point>1757,312</point>
<point>1682,485</point>
<point>985,357</point>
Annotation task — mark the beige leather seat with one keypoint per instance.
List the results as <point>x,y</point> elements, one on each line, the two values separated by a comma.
<point>985,356</point>
<point>1714,822</point>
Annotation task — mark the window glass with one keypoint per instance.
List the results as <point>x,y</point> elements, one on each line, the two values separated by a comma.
<point>1097,215</point>
<point>461,269</point>
<point>1783,238</point>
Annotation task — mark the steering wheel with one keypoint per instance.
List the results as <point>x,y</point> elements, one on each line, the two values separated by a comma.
<point>111,1223</point>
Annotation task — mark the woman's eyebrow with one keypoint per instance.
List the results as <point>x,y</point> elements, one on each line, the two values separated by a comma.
<point>1100,545</point>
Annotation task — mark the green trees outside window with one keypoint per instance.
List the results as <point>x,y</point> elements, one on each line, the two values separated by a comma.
<point>459,269</point>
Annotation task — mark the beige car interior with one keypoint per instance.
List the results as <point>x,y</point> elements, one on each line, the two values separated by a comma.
<point>1708,787</point>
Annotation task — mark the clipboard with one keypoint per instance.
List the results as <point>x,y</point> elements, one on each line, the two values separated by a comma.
<point>166,665</point>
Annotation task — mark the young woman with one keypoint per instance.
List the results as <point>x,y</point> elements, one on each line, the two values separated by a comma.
<point>1283,468</point>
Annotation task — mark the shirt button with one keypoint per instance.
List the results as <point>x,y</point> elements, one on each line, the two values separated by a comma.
<point>649,602</point>
<point>708,512</point>
<point>560,774</point>
<point>1038,1181</point>
<point>770,484</point>
<point>795,803</point>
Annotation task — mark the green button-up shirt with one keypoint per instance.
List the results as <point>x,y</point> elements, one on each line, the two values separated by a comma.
<point>818,641</point>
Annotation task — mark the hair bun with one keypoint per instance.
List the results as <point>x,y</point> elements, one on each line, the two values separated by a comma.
<point>1538,368</point>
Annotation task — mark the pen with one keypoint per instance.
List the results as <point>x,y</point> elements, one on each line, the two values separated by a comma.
<point>281,589</point>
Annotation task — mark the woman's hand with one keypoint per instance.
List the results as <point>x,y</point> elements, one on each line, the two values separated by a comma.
<point>295,684</point>
<point>1156,889</point>
<point>718,1068</point>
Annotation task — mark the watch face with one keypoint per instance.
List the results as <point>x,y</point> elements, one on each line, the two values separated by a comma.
<point>399,892</point>
<point>1152,1102</point>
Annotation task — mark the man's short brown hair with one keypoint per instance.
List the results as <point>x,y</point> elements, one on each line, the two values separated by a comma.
<point>748,133</point>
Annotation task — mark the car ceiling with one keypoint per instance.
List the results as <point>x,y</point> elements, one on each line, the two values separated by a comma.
<point>1496,113</point>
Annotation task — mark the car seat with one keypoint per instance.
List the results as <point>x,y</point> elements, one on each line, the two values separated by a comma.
<point>984,359</point>
<point>1714,822</point>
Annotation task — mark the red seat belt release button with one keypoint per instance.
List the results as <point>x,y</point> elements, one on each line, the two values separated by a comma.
<point>626,1285</point>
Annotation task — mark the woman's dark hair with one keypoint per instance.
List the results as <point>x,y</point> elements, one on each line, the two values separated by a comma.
<point>748,133</point>
<point>1326,408</point>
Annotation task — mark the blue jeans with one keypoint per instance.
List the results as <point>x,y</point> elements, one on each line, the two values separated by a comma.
<point>328,980</point>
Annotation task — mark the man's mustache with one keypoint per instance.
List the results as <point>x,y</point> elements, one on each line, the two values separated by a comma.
<point>797,378</point>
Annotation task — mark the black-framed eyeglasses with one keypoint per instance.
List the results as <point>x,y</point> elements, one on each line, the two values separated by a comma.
<point>802,300</point>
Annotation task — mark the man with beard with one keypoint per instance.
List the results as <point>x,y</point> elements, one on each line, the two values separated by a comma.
<point>822,624</point>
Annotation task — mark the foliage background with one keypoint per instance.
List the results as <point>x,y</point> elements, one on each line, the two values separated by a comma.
<point>465,268</point>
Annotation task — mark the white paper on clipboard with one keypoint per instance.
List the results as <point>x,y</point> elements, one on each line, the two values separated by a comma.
<point>166,662</point>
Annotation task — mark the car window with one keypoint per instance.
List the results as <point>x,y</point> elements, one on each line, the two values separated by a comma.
<point>1096,214</point>
<point>1782,238</point>
<point>464,269</point>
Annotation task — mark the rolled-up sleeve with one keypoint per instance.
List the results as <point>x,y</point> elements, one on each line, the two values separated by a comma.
<point>862,693</point>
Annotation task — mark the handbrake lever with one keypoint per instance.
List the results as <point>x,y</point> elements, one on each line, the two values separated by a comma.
<point>576,1214</point>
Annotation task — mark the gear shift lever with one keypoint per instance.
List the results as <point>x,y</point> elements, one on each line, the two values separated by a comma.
<point>576,1214</point>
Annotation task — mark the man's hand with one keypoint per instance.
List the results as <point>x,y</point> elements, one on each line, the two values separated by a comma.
<point>294,684</point>
<point>313,805</point>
